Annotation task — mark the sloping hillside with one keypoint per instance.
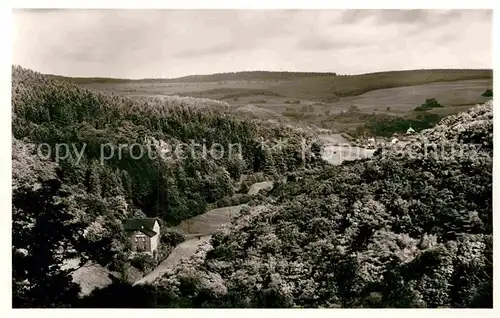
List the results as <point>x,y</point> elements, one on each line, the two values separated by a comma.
<point>234,76</point>
<point>411,227</point>
<point>83,161</point>
<point>330,88</point>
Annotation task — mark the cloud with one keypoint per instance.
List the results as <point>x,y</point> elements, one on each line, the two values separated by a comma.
<point>196,52</point>
<point>393,16</point>
<point>322,43</point>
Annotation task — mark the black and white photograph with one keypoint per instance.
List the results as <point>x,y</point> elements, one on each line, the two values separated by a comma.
<point>251,158</point>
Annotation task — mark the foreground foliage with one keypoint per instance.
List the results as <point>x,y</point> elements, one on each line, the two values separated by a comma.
<point>410,228</point>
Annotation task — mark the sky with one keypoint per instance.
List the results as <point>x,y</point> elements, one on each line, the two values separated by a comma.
<point>171,43</point>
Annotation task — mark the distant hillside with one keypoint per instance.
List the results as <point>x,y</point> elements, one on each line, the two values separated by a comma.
<point>250,76</point>
<point>234,76</point>
<point>329,89</point>
<point>310,84</point>
<point>230,93</point>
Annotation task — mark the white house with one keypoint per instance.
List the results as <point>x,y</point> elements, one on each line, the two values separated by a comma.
<point>143,233</point>
<point>410,131</point>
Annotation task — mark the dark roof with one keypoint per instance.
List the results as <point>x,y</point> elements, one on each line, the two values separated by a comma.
<point>144,225</point>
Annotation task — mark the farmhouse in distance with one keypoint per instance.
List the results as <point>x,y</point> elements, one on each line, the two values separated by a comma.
<point>144,234</point>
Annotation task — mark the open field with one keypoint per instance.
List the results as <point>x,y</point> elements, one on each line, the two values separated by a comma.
<point>89,276</point>
<point>405,99</point>
<point>209,89</point>
<point>210,221</point>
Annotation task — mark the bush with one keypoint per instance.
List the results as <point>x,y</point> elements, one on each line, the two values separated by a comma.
<point>236,199</point>
<point>488,93</point>
<point>144,262</point>
<point>172,237</point>
<point>429,103</point>
<point>353,109</point>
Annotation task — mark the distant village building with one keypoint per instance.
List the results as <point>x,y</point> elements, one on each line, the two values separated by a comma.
<point>143,233</point>
<point>410,131</point>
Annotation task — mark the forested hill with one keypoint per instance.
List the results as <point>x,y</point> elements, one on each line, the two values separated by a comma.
<point>67,167</point>
<point>411,227</point>
<point>251,76</point>
<point>320,81</point>
<point>230,76</point>
<point>56,112</point>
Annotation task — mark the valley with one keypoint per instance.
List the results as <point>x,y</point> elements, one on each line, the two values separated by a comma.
<point>321,190</point>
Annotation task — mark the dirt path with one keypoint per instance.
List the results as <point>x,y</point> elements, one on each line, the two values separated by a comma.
<point>204,224</point>
<point>183,250</point>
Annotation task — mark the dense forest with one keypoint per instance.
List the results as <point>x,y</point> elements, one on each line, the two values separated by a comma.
<point>410,227</point>
<point>83,190</point>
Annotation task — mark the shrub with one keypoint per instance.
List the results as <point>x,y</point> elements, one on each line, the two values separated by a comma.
<point>143,262</point>
<point>488,93</point>
<point>429,103</point>
<point>172,236</point>
<point>353,109</point>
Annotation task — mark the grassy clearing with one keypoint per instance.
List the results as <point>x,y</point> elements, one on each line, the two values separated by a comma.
<point>232,93</point>
<point>210,221</point>
<point>408,97</point>
<point>202,89</point>
<point>256,187</point>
